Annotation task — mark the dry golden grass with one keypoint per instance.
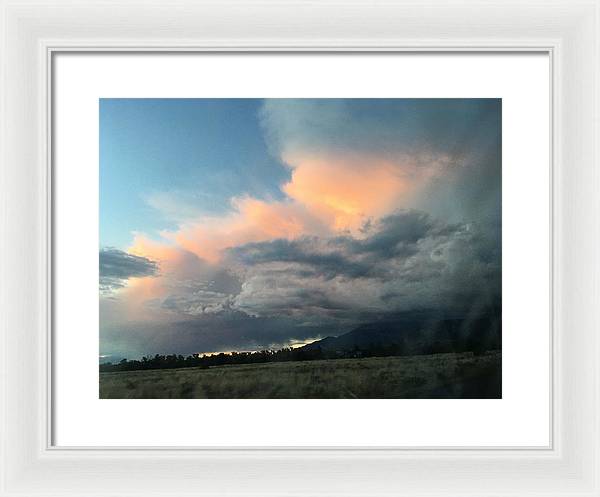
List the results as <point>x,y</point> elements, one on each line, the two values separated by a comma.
<point>461,375</point>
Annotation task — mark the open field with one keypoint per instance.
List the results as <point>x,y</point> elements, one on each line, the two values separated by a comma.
<point>462,375</point>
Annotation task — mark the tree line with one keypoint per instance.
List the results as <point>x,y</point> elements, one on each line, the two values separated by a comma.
<point>174,361</point>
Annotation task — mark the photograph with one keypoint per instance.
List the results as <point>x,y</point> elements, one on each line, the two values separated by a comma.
<point>300,248</point>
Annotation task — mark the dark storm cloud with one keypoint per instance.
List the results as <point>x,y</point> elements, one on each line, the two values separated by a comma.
<point>236,331</point>
<point>393,236</point>
<point>382,125</point>
<point>397,234</point>
<point>403,262</point>
<point>309,252</point>
<point>116,267</point>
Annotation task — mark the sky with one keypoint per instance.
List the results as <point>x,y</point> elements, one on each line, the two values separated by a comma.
<point>245,224</point>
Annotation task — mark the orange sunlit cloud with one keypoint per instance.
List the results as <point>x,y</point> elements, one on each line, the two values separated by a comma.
<point>326,195</point>
<point>253,221</point>
<point>344,192</point>
<point>172,261</point>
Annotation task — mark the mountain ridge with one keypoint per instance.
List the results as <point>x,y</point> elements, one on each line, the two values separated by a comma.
<point>418,335</point>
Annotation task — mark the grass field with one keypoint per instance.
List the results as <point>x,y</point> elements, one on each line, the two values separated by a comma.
<point>434,376</point>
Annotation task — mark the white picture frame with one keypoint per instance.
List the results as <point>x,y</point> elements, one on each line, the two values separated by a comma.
<point>33,32</point>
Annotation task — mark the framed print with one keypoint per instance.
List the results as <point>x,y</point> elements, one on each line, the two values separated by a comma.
<point>440,225</point>
<point>273,254</point>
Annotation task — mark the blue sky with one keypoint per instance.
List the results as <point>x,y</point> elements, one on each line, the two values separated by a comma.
<point>194,153</point>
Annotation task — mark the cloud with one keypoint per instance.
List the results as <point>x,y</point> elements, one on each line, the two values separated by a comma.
<point>186,285</point>
<point>116,267</point>
<point>307,253</point>
<point>199,302</point>
<point>206,333</point>
<point>344,190</point>
<point>383,126</point>
<point>404,261</point>
<point>274,292</point>
<point>252,220</point>
<point>325,196</point>
<point>447,152</point>
<point>353,160</point>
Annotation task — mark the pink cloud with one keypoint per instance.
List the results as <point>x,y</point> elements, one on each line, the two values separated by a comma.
<point>326,194</point>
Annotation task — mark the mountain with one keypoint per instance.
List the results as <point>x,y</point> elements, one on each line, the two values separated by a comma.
<point>418,334</point>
